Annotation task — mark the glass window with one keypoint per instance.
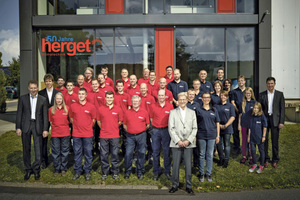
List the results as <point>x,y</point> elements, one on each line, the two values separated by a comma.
<point>90,7</point>
<point>45,7</point>
<point>66,7</point>
<point>197,49</point>
<point>203,6</point>
<point>179,6</point>
<point>134,49</point>
<point>246,6</point>
<point>155,7</point>
<point>134,6</point>
<point>241,54</point>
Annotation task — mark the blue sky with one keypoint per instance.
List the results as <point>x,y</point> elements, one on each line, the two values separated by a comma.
<point>9,30</point>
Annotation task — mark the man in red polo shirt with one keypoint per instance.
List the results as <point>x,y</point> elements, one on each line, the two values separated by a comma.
<point>88,73</point>
<point>83,117</point>
<point>162,86</point>
<point>80,84</point>
<point>169,76</point>
<point>91,95</point>
<point>136,122</point>
<point>152,83</point>
<point>134,88</point>
<point>61,85</point>
<point>70,96</point>
<point>145,78</point>
<point>109,119</point>
<point>159,117</point>
<point>108,81</point>
<point>102,86</point>
<point>125,79</point>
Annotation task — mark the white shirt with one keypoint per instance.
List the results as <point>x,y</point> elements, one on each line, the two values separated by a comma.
<point>33,101</point>
<point>49,93</point>
<point>183,112</point>
<point>270,101</point>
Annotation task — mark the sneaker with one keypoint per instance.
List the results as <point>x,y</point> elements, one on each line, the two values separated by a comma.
<point>115,176</point>
<point>155,177</point>
<point>126,176</point>
<point>208,177</point>
<point>104,177</point>
<point>63,173</point>
<point>76,176</point>
<point>251,162</point>
<point>88,176</point>
<point>253,168</point>
<point>261,167</point>
<point>56,174</point>
<point>201,179</point>
<point>140,176</point>
<point>243,160</point>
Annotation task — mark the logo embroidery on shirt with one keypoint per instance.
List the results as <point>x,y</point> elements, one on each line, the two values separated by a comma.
<point>251,107</point>
<point>180,85</point>
<point>167,112</point>
<point>212,114</point>
<point>73,100</point>
<point>226,109</point>
<point>141,117</point>
<point>99,97</point>
<point>65,113</point>
<point>258,122</point>
<point>125,100</point>
<point>148,102</point>
<point>208,86</point>
<point>87,111</point>
<point>114,113</point>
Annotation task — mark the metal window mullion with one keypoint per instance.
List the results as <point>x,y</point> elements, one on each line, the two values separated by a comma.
<point>225,50</point>
<point>94,53</point>
<point>114,54</point>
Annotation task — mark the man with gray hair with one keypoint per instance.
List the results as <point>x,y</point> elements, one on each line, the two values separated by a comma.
<point>136,122</point>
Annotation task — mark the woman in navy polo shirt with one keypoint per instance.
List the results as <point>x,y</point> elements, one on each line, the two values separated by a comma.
<point>227,115</point>
<point>60,134</point>
<point>215,97</point>
<point>244,115</point>
<point>227,87</point>
<point>207,135</point>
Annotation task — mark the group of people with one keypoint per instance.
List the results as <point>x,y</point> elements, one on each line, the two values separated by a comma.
<point>147,115</point>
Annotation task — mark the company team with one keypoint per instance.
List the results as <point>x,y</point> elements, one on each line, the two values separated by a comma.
<point>148,116</point>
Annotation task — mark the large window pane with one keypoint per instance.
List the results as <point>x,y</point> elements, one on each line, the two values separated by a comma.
<point>241,54</point>
<point>45,7</point>
<point>80,7</point>
<point>197,49</point>
<point>203,6</point>
<point>246,6</point>
<point>155,6</point>
<point>189,6</point>
<point>66,7</point>
<point>134,6</point>
<point>134,50</point>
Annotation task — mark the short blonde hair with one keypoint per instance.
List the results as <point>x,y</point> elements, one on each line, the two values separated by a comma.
<point>182,94</point>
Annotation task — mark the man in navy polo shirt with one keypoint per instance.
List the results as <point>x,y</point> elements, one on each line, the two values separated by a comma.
<point>177,86</point>
<point>220,76</point>
<point>206,86</point>
<point>237,99</point>
<point>198,93</point>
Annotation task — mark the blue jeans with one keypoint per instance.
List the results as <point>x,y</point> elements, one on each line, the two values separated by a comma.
<point>224,139</point>
<point>109,146</point>
<point>261,151</point>
<point>206,150</point>
<point>85,144</point>
<point>161,136</point>
<point>137,142</point>
<point>60,151</point>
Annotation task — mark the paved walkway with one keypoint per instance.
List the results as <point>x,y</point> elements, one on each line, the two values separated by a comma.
<point>7,120</point>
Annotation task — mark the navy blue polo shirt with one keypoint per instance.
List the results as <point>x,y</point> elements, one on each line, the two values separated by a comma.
<point>215,99</point>
<point>207,119</point>
<point>248,112</point>
<point>257,123</point>
<point>198,98</point>
<point>225,111</point>
<point>176,88</point>
<point>206,87</point>
<point>194,106</point>
<point>222,81</point>
<point>230,96</point>
<point>237,97</point>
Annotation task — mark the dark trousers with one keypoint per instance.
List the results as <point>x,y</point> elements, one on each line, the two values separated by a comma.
<point>137,141</point>
<point>236,135</point>
<point>261,151</point>
<point>60,151</point>
<point>177,154</point>
<point>196,155</point>
<point>96,132</point>
<point>37,141</point>
<point>123,133</point>
<point>149,145</point>
<point>45,150</point>
<point>109,146</point>
<point>83,145</point>
<point>274,139</point>
<point>224,139</point>
<point>161,137</point>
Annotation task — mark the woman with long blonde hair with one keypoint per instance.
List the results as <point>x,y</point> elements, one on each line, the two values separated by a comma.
<point>60,134</point>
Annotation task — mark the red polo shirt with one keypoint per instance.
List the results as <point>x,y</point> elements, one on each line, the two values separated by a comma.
<point>133,91</point>
<point>70,98</point>
<point>91,97</point>
<point>155,86</point>
<point>160,115</point>
<point>109,119</point>
<point>76,89</point>
<point>109,82</point>
<point>63,90</point>
<point>122,100</point>
<point>87,84</point>
<point>105,89</point>
<point>147,101</point>
<point>169,95</point>
<point>126,84</point>
<point>136,121</point>
<point>99,99</point>
<point>59,122</point>
<point>83,116</point>
<point>169,79</point>
<point>143,80</point>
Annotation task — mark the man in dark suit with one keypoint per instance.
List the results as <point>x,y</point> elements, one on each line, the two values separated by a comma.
<point>32,119</point>
<point>49,93</point>
<point>273,105</point>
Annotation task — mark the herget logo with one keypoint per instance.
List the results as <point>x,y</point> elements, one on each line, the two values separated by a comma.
<point>58,46</point>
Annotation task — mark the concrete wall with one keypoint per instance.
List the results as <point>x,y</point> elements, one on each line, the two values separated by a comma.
<point>285,46</point>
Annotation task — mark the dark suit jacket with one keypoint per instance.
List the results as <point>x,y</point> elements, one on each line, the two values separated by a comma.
<point>44,93</point>
<point>278,106</point>
<point>24,114</point>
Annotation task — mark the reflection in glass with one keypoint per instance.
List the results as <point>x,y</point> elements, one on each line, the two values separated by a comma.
<point>197,49</point>
<point>241,53</point>
<point>134,50</point>
<point>246,6</point>
<point>45,7</point>
<point>189,6</point>
<point>66,7</point>
<point>134,6</point>
<point>155,6</point>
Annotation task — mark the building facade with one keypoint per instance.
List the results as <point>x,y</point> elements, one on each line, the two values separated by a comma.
<point>63,37</point>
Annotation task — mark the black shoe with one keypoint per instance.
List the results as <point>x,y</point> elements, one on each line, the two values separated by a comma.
<point>126,176</point>
<point>173,190</point>
<point>189,190</point>
<point>27,175</point>
<point>169,177</point>
<point>225,165</point>
<point>37,176</point>
<point>221,162</point>
<point>155,177</point>
<point>44,165</point>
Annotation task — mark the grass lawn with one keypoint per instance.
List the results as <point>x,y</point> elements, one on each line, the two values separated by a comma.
<point>236,177</point>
